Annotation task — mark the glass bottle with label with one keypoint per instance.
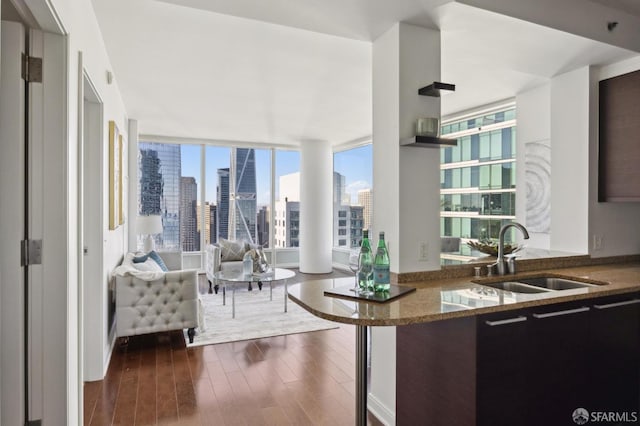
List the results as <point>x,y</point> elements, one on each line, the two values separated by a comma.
<point>365,269</point>
<point>381,276</point>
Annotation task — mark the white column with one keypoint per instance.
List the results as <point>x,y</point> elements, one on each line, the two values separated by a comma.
<point>316,214</point>
<point>406,202</point>
<point>570,161</point>
<point>406,180</point>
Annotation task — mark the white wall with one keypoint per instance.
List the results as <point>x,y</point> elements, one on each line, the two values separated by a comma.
<point>617,224</point>
<point>533,125</point>
<point>570,161</point>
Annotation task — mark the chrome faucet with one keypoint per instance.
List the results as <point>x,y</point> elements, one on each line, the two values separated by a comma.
<point>502,264</point>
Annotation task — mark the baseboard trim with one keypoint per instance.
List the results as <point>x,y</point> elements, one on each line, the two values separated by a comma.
<point>381,411</point>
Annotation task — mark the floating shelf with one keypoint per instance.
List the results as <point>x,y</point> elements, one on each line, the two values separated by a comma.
<point>428,142</point>
<point>435,88</point>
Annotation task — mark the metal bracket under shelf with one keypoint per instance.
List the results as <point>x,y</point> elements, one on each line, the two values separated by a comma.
<point>434,89</point>
<point>428,142</point>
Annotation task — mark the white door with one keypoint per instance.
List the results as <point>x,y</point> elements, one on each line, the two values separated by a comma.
<point>33,341</point>
<point>12,224</point>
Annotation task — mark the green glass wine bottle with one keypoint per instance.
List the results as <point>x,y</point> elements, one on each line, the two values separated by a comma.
<point>365,270</point>
<point>381,278</point>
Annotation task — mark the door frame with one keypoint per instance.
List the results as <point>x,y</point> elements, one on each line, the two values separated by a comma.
<point>53,385</point>
<point>92,323</point>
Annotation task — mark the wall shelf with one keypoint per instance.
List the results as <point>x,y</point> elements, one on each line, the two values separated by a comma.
<point>428,142</point>
<point>434,89</point>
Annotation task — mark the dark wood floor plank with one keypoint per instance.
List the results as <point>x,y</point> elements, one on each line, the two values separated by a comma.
<point>299,379</point>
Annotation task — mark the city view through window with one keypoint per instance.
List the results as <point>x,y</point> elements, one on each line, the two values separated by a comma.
<point>477,180</point>
<point>236,186</point>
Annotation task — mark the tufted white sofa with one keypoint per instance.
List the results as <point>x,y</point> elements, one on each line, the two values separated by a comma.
<point>168,301</point>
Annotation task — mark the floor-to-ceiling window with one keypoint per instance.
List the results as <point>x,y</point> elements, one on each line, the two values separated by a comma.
<point>478,177</point>
<point>352,195</point>
<point>287,199</point>
<point>204,193</point>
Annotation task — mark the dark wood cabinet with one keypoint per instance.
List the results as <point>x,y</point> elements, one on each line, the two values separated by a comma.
<point>557,365</point>
<point>619,138</point>
<point>615,347</point>
<point>501,350</point>
<point>526,366</point>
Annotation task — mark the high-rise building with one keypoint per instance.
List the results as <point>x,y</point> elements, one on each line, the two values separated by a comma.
<point>242,196</point>
<point>207,222</point>
<point>356,223</point>
<point>287,223</point>
<point>365,199</point>
<point>263,226</point>
<point>213,237</point>
<point>189,239</point>
<point>347,220</point>
<point>478,179</point>
<point>159,171</point>
<point>222,202</point>
<point>340,195</point>
<point>286,227</point>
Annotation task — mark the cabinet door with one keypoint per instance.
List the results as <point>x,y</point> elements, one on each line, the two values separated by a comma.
<point>502,357</point>
<point>558,362</point>
<point>614,338</point>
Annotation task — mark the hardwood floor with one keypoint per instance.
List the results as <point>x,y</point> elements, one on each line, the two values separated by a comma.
<point>298,379</point>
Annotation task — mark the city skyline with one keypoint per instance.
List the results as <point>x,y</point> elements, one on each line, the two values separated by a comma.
<point>354,164</point>
<point>169,186</point>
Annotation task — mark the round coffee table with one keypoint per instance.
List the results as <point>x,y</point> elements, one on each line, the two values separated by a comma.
<point>233,278</point>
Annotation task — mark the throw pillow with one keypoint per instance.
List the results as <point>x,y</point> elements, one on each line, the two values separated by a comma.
<point>231,250</point>
<point>153,256</point>
<point>140,258</point>
<point>148,265</point>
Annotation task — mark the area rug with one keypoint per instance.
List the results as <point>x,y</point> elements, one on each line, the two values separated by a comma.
<point>256,317</point>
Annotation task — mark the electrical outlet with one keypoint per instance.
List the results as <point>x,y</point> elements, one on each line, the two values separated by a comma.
<point>423,252</point>
<point>597,242</point>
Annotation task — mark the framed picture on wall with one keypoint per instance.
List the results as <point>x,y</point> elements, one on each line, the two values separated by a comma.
<point>115,175</point>
<point>120,180</point>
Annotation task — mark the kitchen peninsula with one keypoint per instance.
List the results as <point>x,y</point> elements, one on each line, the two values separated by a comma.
<point>480,366</point>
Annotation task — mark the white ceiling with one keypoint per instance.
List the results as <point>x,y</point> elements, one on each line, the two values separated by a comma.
<point>283,72</point>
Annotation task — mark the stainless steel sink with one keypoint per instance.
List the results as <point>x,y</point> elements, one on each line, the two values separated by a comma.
<point>553,283</point>
<point>517,287</point>
<point>537,285</point>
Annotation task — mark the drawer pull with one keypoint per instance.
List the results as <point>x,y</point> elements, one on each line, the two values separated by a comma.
<point>616,304</point>
<point>559,313</point>
<point>506,321</point>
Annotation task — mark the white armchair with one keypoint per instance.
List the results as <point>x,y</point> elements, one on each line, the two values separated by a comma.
<point>214,262</point>
<point>152,301</point>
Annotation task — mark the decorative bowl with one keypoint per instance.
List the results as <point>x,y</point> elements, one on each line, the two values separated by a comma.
<point>491,247</point>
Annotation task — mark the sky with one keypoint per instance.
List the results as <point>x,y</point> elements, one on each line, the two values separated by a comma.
<point>355,165</point>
